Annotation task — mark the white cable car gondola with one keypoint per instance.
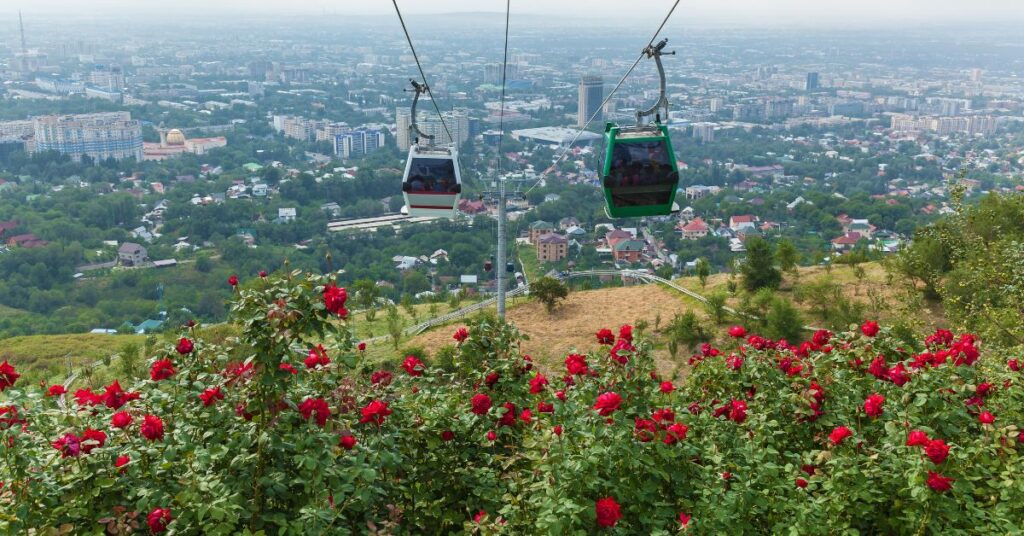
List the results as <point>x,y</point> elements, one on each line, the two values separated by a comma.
<point>431,185</point>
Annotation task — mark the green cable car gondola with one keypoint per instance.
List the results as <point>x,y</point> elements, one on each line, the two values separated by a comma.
<point>640,173</point>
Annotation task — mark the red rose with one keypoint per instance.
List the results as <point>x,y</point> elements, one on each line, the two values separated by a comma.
<point>361,347</point>
<point>69,445</point>
<point>158,520</point>
<point>121,419</point>
<point>821,337</point>
<point>152,428</point>
<point>667,387</point>
<point>529,362</point>
<point>801,483</point>
<point>537,383</point>
<point>317,357</point>
<point>878,368</point>
<point>938,482</point>
<point>986,418</point>
<point>675,432</point>
<point>381,377</point>
<point>662,416</point>
<point>737,332</point>
<point>9,417</point>
<point>318,406</point>
<point>605,336</point>
<point>737,411</point>
<point>576,364</point>
<point>898,375</point>
<point>557,430</point>
<point>461,335</point>
<point>839,434</point>
<point>727,476</point>
<point>447,435</point>
<point>984,389</point>
<point>626,333</point>
<point>263,273</point>
<point>491,435</point>
<point>684,519</point>
<point>347,442</point>
<point>607,511</point>
<point>560,395</point>
<point>287,367</point>
<point>479,517</point>
<point>917,438</point>
<point>114,397</point>
<point>873,405</point>
<point>644,429</point>
<point>734,362</point>
<point>1014,365</point>
<point>375,412</point>
<point>211,396</point>
<point>233,280</point>
<point>508,418</point>
<point>121,461</point>
<point>7,376</point>
<point>869,328</point>
<point>481,403</point>
<point>621,346</point>
<point>492,379</point>
<point>161,370</point>
<point>56,390</point>
<point>92,439</point>
<point>937,450</point>
<point>607,403</point>
<point>185,346</point>
<point>334,300</point>
<point>545,407</point>
<point>413,365</point>
<point>526,416</point>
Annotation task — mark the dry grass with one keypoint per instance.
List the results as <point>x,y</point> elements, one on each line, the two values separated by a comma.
<point>577,319</point>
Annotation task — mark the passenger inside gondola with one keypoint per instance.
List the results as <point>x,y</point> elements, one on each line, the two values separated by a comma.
<point>641,174</point>
<point>432,175</point>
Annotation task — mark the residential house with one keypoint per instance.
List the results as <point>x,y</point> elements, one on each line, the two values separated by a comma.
<point>846,242</point>
<point>861,226</point>
<point>686,214</point>
<point>405,263</point>
<point>538,229</point>
<point>552,248</point>
<point>565,223</point>
<point>439,255</point>
<point>693,230</point>
<point>628,251</point>
<point>575,233</point>
<point>28,240</point>
<point>285,215</point>
<point>743,222</point>
<point>618,235</point>
<point>472,206</point>
<point>131,254</point>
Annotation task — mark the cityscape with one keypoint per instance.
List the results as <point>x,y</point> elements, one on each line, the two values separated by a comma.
<point>191,194</point>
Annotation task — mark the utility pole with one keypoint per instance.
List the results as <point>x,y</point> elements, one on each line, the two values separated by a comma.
<point>502,274</point>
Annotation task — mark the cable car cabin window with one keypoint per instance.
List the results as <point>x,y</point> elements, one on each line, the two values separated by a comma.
<point>432,175</point>
<point>641,173</point>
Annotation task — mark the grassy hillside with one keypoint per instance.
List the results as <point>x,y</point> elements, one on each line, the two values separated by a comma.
<point>46,354</point>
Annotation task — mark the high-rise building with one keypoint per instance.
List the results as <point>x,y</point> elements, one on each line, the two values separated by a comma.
<point>98,136</point>
<point>492,73</point>
<point>591,93</point>
<point>705,132</point>
<point>715,104</point>
<point>457,121</point>
<point>358,142</point>
<point>811,83</point>
<point>106,77</point>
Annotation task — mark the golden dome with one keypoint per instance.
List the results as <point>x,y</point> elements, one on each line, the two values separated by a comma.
<point>175,137</point>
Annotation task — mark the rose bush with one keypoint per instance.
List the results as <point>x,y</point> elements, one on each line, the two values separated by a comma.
<point>846,433</point>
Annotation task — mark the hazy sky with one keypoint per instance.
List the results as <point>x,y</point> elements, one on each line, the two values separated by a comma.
<point>741,12</point>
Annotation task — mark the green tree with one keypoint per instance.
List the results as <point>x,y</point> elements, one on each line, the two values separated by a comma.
<point>783,321</point>
<point>715,307</point>
<point>703,271</point>
<point>758,268</point>
<point>687,330</point>
<point>549,291</point>
<point>395,325</point>
<point>366,294</point>
<point>787,256</point>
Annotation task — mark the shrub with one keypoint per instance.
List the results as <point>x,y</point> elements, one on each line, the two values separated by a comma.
<point>277,432</point>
